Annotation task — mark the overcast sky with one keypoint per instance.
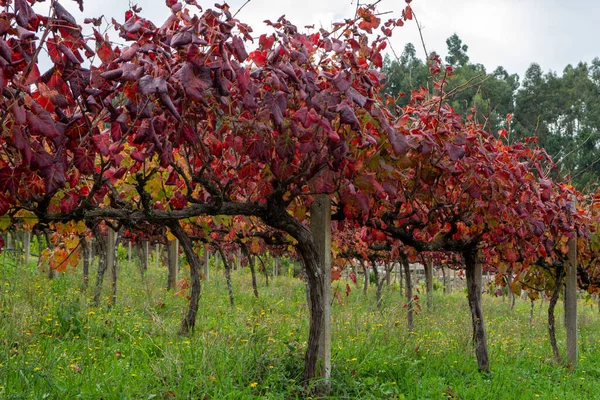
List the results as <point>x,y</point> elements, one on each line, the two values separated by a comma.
<point>511,33</point>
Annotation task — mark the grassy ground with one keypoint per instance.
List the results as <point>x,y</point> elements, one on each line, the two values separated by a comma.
<point>54,345</point>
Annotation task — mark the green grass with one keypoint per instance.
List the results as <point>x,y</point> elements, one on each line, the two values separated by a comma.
<point>55,345</point>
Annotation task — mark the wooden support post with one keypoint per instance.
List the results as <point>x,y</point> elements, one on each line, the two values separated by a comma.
<point>27,246</point>
<point>571,297</point>
<point>173,263</point>
<point>206,263</point>
<point>111,240</point>
<point>129,251</point>
<point>320,225</point>
<point>429,282</point>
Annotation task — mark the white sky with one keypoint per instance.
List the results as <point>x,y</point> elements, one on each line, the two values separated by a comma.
<point>511,33</point>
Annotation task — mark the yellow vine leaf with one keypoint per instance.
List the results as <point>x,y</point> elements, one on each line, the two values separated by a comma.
<point>29,218</point>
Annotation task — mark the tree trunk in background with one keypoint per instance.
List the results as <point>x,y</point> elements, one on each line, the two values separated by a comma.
<point>86,261</point>
<point>429,283</point>
<point>189,321</point>
<point>473,273</point>
<point>206,263</point>
<point>227,267</point>
<point>320,227</point>
<point>551,318</point>
<point>111,260</point>
<point>409,294</point>
<point>173,263</point>
<point>251,261</point>
<point>571,297</point>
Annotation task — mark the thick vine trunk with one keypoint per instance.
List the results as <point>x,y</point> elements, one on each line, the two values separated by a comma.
<point>279,218</point>
<point>409,294</point>
<point>473,274</point>
<point>551,318</point>
<point>227,267</point>
<point>189,321</point>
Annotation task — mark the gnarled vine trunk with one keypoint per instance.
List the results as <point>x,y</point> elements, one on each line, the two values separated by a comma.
<point>409,294</point>
<point>278,218</point>
<point>560,273</point>
<point>473,274</point>
<point>189,321</point>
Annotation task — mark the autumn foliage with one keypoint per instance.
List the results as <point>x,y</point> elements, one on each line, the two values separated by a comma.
<point>196,118</point>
